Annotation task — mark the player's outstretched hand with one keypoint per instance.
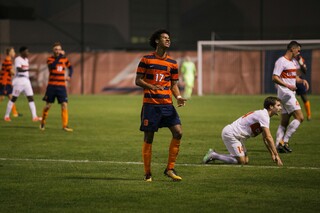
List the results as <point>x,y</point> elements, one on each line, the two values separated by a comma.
<point>181,101</point>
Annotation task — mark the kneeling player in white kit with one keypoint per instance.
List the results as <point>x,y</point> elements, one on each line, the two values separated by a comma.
<point>21,83</point>
<point>250,125</point>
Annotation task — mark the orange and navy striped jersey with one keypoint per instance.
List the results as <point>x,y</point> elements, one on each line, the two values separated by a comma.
<point>5,74</point>
<point>158,71</point>
<point>57,69</point>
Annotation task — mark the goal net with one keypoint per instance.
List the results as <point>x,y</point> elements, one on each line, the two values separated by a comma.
<point>245,67</point>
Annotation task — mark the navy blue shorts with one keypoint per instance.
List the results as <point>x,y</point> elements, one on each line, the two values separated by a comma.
<point>155,116</point>
<point>53,92</point>
<point>5,89</point>
<point>301,89</point>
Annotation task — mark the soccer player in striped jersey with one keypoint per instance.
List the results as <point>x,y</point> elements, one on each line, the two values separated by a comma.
<point>157,74</point>
<point>57,64</point>
<point>6,73</point>
<point>285,76</point>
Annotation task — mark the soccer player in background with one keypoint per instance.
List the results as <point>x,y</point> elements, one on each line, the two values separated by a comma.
<point>6,73</point>
<point>189,72</point>
<point>250,125</point>
<point>157,74</point>
<point>21,83</point>
<point>285,76</point>
<point>301,89</point>
<point>57,65</point>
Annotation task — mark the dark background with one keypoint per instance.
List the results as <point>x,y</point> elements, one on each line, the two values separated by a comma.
<point>94,25</point>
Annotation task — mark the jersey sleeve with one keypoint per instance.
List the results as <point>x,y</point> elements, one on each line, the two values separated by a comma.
<point>278,68</point>
<point>264,120</point>
<point>17,63</point>
<point>142,67</point>
<point>174,72</point>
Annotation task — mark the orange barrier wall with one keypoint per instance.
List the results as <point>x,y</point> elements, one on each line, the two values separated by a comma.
<point>114,72</point>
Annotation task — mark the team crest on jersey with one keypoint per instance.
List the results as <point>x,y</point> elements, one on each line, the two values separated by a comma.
<point>145,122</point>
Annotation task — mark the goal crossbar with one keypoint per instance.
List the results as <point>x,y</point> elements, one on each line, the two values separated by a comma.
<point>214,43</point>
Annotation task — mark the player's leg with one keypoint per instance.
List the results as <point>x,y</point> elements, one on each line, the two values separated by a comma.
<point>45,113</point>
<point>173,152</point>
<point>234,146</point>
<point>147,154</point>
<point>17,88</point>
<point>27,88</point>
<point>307,106</point>
<point>14,110</point>
<point>65,117</point>
<point>293,108</point>
<point>61,94</point>
<point>149,125</point>
<point>9,108</point>
<point>172,121</point>
<point>293,126</point>
<point>187,91</point>
<point>33,109</point>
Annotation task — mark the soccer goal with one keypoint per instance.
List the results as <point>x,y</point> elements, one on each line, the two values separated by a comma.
<point>245,67</point>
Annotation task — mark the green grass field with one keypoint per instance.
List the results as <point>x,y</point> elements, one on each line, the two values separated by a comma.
<point>98,167</point>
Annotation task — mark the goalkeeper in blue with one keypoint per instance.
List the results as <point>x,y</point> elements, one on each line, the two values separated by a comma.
<point>249,125</point>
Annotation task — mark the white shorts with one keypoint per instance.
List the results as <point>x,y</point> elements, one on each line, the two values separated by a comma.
<point>21,84</point>
<point>234,146</point>
<point>289,103</point>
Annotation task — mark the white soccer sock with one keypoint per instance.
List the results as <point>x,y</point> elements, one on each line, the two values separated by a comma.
<point>9,108</point>
<point>224,158</point>
<point>33,110</point>
<point>293,126</point>
<point>280,134</point>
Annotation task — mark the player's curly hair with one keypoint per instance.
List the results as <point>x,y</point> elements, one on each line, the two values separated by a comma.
<point>270,101</point>
<point>156,36</point>
<point>22,49</point>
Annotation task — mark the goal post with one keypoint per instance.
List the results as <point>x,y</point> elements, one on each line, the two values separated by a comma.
<point>260,46</point>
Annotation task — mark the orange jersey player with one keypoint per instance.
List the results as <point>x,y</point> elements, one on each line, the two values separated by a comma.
<point>6,74</point>
<point>57,64</point>
<point>157,74</point>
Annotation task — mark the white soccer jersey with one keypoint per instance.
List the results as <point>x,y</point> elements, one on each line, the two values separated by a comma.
<point>22,63</point>
<point>287,71</point>
<point>250,125</point>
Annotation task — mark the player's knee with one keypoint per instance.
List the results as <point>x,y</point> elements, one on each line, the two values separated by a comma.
<point>64,105</point>
<point>177,135</point>
<point>14,98</point>
<point>30,98</point>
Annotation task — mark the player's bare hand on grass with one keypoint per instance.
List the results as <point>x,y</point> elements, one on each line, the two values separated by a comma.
<point>277,160</point>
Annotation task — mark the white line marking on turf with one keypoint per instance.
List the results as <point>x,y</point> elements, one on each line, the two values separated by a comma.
<point>140,163</point>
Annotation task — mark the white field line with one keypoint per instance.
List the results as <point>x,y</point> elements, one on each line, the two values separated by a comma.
<point>140,163</point>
